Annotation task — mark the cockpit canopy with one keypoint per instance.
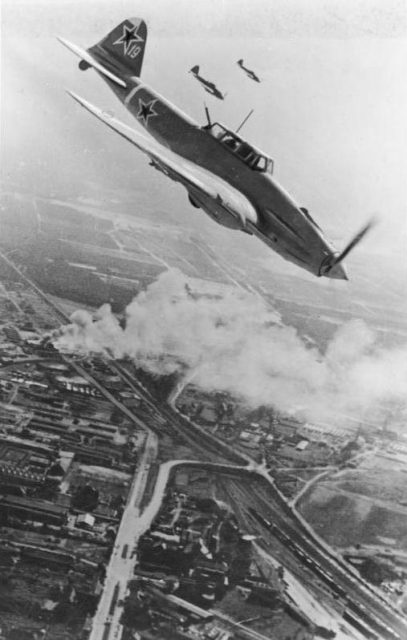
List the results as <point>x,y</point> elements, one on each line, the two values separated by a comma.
<point>246,152</point>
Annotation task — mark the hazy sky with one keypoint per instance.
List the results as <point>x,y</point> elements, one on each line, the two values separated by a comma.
<point>331,109</point>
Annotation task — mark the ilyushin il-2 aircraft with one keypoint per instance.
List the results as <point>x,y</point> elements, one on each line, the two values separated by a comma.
<point>209,86</point>
<point>230,179</point>
<point>248,72</point>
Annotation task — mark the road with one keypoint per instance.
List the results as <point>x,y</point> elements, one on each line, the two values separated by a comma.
<point>106,622</point>
<point>121,566</point>
<point>327,471</point>
<point>314,552</point>
<point>245,632</point>
<point>374,613</point>
<point>309,548</point>
<point>296,532</point>
<point>133,525</point>
<point>279,520</point>
<point>275,522</point>
<point>200,440</point>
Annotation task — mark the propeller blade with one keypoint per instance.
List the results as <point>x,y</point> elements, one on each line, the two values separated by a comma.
<point>355,240</point>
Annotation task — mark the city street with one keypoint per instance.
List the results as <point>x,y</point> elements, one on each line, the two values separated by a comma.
<point>121,566</point>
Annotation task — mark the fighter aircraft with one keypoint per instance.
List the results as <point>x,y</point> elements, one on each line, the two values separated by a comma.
<point>230,179</point>
<point>210,87</point>
<point>248,72</point>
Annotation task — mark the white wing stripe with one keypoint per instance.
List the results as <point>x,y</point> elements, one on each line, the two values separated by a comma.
<point>131,94</point>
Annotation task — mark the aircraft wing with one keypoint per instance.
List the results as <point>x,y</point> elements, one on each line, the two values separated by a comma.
<point>195,179</point>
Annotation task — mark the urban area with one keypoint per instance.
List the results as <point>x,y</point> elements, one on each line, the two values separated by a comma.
<point>137,505</point>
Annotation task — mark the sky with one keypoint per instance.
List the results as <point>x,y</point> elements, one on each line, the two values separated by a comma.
<point>331,108</point>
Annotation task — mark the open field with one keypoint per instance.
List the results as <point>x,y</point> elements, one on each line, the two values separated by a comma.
<point>361,506</point>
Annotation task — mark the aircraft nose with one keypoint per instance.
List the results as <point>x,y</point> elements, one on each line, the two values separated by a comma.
<point>338,272</point>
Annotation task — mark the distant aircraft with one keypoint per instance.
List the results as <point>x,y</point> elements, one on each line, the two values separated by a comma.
<point>230,179</point>
<point>248,72</point>
<point>210,87</point>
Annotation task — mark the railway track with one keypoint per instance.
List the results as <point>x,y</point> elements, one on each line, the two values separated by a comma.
<point>252,499</point>
<point>362,607</point>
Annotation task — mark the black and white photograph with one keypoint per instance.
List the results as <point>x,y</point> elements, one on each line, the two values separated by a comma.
<point>203,320</point>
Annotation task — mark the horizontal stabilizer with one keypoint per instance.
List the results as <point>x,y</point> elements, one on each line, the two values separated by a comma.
<point>84,55</point>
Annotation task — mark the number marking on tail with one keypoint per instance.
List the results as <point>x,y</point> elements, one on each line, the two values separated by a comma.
<point>130,41</point>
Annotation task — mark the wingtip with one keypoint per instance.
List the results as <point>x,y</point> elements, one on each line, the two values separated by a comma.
<point>64,42</point>
<point>73,95</point>
<point>84,103</point>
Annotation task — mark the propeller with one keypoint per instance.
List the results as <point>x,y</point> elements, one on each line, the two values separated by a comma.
<point>355,241</point>
<point>333,268</point>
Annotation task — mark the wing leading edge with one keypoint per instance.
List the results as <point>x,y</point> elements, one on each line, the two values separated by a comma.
<point>84,55</point>
<point>194,178</point>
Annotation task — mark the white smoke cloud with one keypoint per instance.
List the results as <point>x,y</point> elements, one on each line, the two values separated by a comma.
<point>237,343</point>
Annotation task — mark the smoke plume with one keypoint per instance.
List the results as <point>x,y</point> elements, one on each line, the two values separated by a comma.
<point>237,343</point>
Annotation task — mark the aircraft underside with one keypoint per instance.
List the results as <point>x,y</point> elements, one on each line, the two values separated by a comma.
<point>215,210</point>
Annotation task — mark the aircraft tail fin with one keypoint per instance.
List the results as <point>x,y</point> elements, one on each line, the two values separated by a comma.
<point>123,48</point>
<point>195,69</point>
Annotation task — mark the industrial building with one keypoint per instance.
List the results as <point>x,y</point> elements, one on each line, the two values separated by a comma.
<point>33,510</point>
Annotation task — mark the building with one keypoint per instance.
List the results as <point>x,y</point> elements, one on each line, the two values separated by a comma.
<point>24,460</point>
<point>303,444</point>
<point>32,510</point>
<point>12,333</point>
<point>85,521</point>
<point>76,384</point>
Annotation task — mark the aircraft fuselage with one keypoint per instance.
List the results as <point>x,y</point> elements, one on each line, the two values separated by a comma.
<point>210,87</point>
<point>280,222</point>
